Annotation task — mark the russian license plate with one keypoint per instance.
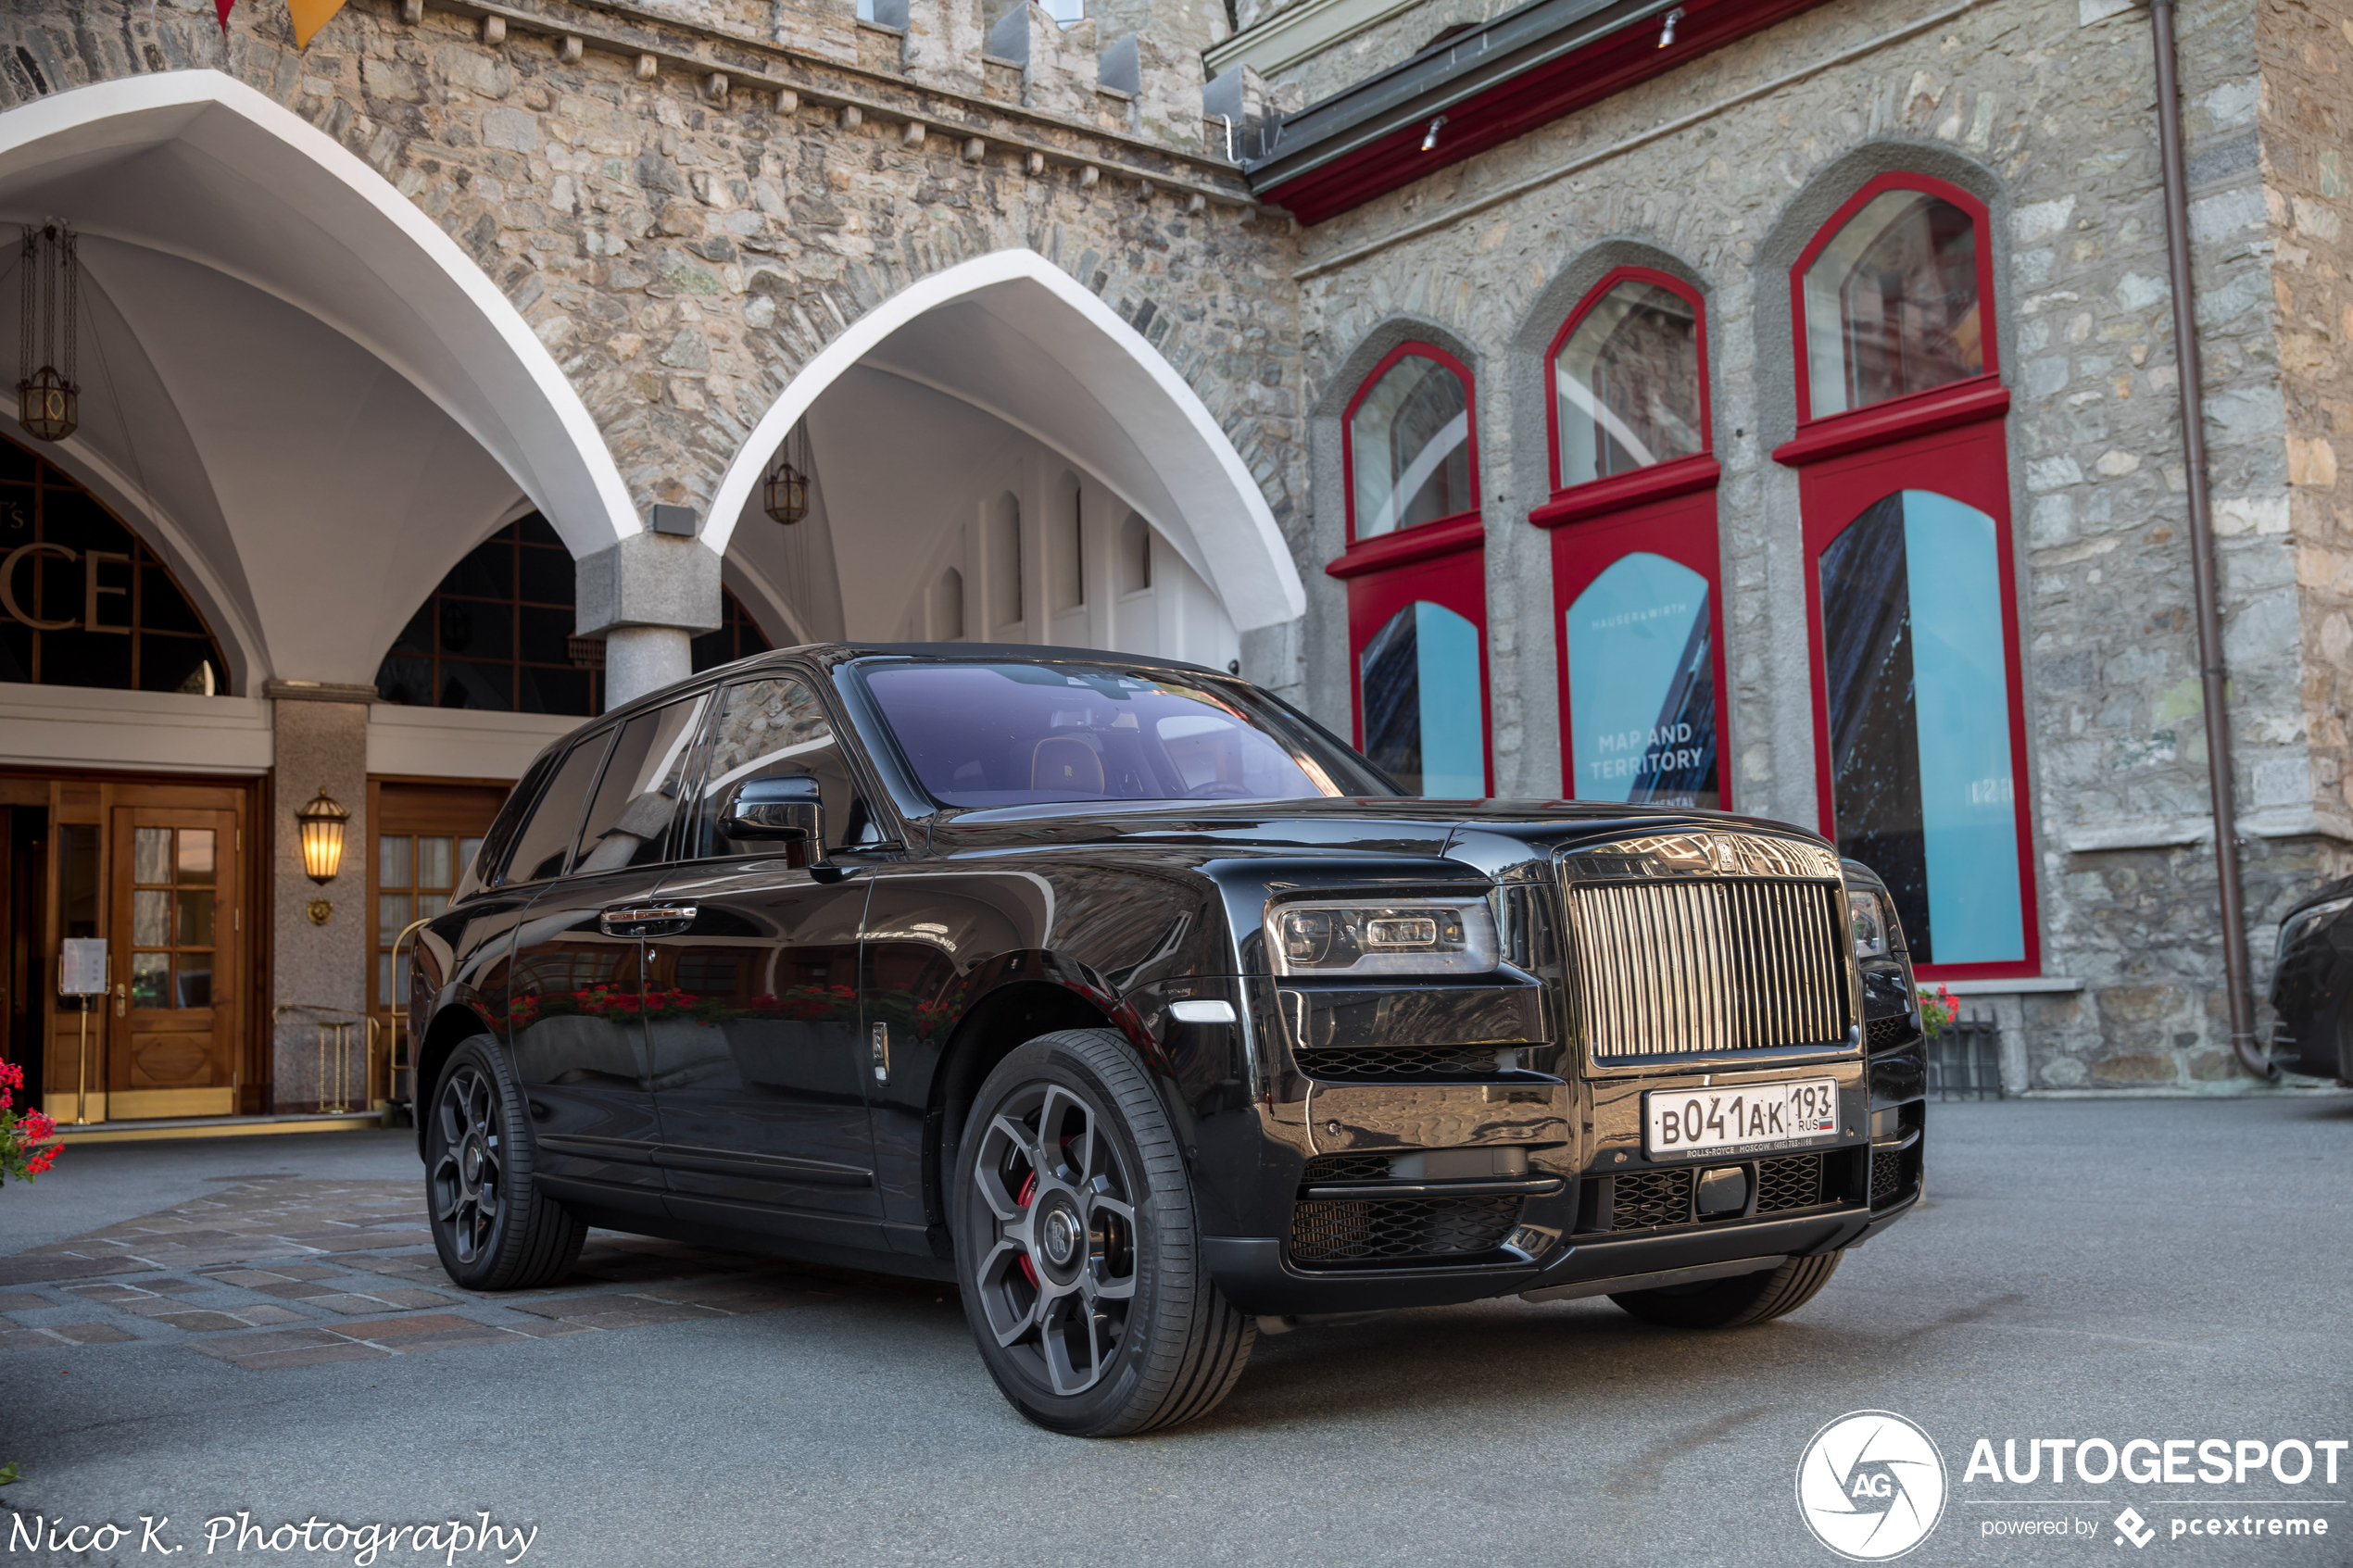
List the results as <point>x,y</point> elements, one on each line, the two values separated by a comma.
<point>1739,1119</point>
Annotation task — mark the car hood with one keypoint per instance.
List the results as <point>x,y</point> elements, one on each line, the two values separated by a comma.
<point>1493,835</point>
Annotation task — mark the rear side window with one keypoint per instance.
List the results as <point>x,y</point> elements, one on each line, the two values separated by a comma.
<point>628,820</point>
<point>546,839</point>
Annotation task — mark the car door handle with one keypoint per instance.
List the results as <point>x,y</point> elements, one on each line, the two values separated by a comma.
<point>647,920</point>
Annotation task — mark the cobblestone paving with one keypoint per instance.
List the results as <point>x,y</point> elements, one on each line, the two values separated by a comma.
<point>272,1273</point>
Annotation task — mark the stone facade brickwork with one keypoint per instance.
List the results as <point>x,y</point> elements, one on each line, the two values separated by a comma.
<point>684,252</point>
<point>2043,109</point>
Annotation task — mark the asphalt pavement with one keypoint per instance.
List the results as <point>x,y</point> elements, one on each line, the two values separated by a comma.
<point>2088,1274</point>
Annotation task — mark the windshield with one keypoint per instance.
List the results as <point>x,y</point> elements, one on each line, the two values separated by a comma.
<point>985,734</point>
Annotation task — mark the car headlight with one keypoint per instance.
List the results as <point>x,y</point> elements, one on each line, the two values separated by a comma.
<point>2303,920</point>
<point>1369,936</point>
<point>1871,919</point>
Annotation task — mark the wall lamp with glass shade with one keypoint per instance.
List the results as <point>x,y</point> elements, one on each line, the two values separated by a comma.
<point>321,823</point>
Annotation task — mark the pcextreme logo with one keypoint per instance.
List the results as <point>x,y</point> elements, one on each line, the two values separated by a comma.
<point>1870,1486</point>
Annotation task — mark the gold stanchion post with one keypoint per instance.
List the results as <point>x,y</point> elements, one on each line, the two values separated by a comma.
<point>82,1075</point>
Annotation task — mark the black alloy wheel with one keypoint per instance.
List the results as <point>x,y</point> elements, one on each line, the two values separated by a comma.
<point>1077,1248</point>
<point>490,1225</point>
<point>1735,1302</point>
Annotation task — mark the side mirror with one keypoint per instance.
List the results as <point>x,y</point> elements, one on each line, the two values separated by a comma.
<point>785,809</point>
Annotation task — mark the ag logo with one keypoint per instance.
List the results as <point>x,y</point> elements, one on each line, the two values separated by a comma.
<point>1870,1486</point>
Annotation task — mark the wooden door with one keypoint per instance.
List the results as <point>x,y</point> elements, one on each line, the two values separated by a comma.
<point>177,916</point>
<point>425,838</point>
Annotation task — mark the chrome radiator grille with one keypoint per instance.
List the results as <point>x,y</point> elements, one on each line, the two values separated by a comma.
<point>1708,964</point>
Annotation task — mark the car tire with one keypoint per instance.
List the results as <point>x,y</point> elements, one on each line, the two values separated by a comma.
<point>493,1227</point>
<point>1735,1302</point>
<point>1078,1249</point>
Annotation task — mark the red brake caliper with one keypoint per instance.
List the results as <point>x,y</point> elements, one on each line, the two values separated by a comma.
<point>1028,1191</point>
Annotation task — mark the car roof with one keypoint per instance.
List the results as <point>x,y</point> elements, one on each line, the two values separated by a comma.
<point>831,655</point>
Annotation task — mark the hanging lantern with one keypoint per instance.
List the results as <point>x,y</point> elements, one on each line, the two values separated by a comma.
<point>48,400</point>
<point>321,823</point>
<point>786,495</point>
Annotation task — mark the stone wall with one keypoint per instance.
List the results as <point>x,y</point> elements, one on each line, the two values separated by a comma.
<point>683,249</point>
<point>2043,108</point>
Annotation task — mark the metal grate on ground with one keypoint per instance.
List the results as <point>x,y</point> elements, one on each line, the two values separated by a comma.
<point>1965,1060</point>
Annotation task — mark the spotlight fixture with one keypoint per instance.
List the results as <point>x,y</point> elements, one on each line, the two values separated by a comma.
<point>1429,137</point>
<point>1666,33</point>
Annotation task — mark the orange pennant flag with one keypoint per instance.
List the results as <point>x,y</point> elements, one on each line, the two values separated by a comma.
<point>309,16</point>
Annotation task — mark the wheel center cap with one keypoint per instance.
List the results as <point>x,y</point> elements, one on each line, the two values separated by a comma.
<point>473,1161</point>
<point>1061,1236</point>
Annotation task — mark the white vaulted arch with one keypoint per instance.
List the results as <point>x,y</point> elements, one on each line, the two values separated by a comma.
<point>293,366</point>
<point>1015,334</point>
<point>198,165</point>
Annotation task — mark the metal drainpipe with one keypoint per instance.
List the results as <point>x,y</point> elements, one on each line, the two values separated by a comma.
<point>2210,620</point>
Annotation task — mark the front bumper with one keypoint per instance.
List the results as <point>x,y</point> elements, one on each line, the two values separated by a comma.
<point>1557,1143</point>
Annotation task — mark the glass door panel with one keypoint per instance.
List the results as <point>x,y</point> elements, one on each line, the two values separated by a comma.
<point>1921,772</point>
<point>171,1051</point>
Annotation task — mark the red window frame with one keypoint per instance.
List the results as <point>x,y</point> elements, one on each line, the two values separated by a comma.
<point>1593,297</point>
<point>1443,560</point>
<point>1410,349</point>
<point>1898,409</point>
<point>1950,440</point>
<point>1668,508</point>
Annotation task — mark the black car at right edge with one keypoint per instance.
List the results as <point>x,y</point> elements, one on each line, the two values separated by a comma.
<point>2312,986</point>
<point>1130,1000</point>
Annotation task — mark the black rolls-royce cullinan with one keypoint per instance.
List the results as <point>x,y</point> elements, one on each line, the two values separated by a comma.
<point>1127,997</point>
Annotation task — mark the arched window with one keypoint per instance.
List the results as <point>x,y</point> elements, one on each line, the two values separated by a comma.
<point>1903,489</point>
<point>1415,569</point>
<point>1070,549</point>
<point>1634,546</point>
<point>1135,555</point>
<point>1629,386</point>
<point>1408,443</point>
<point>1892,297</point>
<point>83,602</point>
<point>948,607</point>
<point>1004,563</point>
<point>498,634</point>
